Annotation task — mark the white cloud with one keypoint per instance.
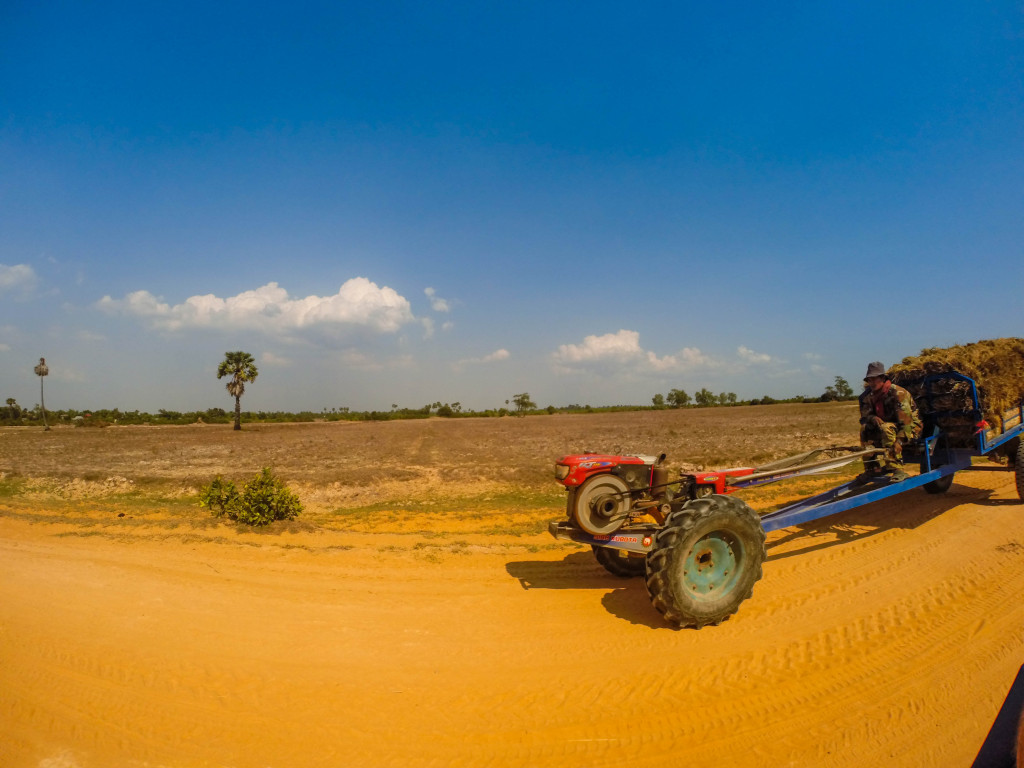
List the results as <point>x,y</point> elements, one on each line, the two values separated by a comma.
<point>687,358</point>
<point>751,356</point>
<point>5,347</point>
<point>17,277</point>
<point>436,302</point>
<point>811,356</point>
<point>615,347</point>
<point>498,354</point>
<point>495,357</point>
<point>358,303</point>
<point>624,348</point>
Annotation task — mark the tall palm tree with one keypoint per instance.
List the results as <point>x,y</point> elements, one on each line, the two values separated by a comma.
<point>241,367</point>
<point>42,370</point>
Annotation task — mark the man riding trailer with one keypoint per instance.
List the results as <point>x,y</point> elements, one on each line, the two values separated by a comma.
<point>888,419</point>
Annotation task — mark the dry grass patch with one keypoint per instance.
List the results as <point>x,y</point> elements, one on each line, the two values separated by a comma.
<point>482,481</point>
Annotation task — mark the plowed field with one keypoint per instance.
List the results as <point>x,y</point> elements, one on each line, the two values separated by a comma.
<point>418,614</point>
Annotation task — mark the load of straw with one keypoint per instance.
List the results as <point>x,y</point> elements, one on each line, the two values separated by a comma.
<point>997,367</point>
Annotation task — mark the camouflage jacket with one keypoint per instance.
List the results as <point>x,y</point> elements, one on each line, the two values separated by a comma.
<point>898,408</point>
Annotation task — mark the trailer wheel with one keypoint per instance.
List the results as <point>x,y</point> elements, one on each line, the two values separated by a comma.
<point>619,562</point>
<point>705,561</point>
<point>1018,471</point>
<point>941,485</point>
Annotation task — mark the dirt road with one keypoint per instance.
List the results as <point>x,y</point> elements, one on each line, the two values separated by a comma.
<point>886,636</point>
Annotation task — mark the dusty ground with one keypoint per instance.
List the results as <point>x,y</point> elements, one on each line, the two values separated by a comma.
<point>417,614</point>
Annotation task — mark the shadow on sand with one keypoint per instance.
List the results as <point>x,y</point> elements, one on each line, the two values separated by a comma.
<point>628,598</point>
<point>579,570</point>
<point>1000,746</point>
<point>872,519</point>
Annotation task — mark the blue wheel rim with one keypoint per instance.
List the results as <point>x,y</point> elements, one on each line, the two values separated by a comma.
<point>712,566</point>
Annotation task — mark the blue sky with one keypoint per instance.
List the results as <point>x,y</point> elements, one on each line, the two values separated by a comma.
<point>411,202</point>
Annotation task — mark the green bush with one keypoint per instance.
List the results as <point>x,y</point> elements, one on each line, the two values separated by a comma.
<point>263,500</point>
<point>219,496</point>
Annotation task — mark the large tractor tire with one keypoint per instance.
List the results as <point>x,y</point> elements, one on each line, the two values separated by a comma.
<point>705,561</point>
<point>620,563</point>
<point>601,505</point>
<point>941,485</point>
<point>1018,471</point>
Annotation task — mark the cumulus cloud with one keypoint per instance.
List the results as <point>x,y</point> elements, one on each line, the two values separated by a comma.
<point>19,277</point>
<point>623,348</point>
<point>751,356</point>
<point>618,347</point>
<point>495,357</point>
<point>687,358</point>
<point>358,303</point>
<point>436,302</point>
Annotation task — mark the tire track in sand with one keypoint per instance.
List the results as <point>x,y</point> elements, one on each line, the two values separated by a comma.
<point>894,646</point>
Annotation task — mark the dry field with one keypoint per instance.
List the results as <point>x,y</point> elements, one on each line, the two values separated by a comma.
<point>418,614</point>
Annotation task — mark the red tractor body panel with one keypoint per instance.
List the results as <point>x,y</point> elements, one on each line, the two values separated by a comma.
<point>581,466</point>
<point>572,471</point>
<point>717,480</point>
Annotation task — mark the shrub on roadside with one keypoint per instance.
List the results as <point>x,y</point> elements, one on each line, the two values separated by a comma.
<point>263,500</point>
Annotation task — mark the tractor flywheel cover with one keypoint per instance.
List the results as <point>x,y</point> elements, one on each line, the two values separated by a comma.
<point>601,505</point>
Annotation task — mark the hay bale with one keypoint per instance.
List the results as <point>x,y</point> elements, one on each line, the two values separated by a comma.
<point>997,367</point>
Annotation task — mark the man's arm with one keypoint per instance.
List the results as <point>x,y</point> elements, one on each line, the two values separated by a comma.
<point>905,412</point>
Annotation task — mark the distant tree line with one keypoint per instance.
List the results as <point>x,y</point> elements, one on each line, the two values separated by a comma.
<point>241,369</point>
<point>15,415</point>
<point>705,398</point>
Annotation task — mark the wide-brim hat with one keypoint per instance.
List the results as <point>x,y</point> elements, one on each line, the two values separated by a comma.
<point>874,369</point>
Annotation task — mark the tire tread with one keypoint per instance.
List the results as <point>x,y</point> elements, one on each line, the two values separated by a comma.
<point>679,524</point>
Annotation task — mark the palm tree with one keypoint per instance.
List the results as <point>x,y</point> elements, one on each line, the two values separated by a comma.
<point>42,370</point>
<point>241,367</point>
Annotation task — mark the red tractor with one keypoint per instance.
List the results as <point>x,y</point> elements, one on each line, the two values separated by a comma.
<point>699,548</point>
<point>607,491</point>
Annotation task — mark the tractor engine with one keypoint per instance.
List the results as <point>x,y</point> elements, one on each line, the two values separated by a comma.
<point>606,491</point>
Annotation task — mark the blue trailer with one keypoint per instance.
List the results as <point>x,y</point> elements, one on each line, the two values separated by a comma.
<point>702,562</point>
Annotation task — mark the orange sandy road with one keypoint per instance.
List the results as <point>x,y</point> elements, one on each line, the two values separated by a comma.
<point>889,635</point>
